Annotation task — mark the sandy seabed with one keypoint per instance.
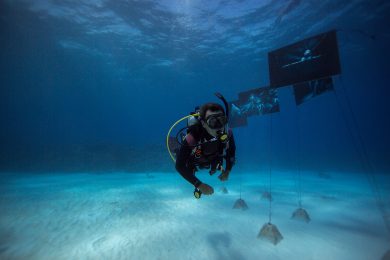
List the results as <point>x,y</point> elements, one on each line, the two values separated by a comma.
<point>155,216</point>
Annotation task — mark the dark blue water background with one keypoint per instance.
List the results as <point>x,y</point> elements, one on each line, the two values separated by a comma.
<point>95,85</point>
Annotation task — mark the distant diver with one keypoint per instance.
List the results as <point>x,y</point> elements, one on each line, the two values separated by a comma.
<point>207,143</point>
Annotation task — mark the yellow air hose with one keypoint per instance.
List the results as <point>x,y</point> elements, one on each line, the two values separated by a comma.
<point>170,130</point>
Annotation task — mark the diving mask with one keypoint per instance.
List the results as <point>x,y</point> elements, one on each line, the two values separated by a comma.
<point>216,121</point>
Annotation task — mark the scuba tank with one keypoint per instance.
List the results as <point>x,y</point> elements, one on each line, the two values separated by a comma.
<point>194,118</point>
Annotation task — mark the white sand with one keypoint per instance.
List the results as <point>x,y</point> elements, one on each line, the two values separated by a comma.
<point>134,216</point>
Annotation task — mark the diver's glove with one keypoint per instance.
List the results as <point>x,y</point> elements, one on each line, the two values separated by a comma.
<point>224,176</point>
<point>206,189</point>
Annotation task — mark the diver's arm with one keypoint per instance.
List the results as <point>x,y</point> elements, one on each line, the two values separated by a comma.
<point>230,153</point>
<point>182,167</point>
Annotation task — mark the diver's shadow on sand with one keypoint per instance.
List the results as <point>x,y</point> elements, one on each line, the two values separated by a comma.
<point>221,244</point>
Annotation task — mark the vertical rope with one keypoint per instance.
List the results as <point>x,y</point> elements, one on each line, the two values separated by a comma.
<point>363,155</point>
<point>240,184</point>
<point>299,157</point>
<point>294,157</point>
<point>270,170</point>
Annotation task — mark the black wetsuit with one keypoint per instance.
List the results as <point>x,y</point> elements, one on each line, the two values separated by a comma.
<point>197,152</point>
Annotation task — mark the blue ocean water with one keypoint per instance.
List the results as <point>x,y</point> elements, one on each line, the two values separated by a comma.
<point>89,90</point>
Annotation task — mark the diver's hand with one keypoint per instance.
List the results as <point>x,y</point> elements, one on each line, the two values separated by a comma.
<point>206,189</point>
<point>224,176</point>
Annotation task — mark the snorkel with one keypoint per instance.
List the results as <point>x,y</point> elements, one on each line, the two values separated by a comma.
<point>219,95</point>
<point>222,135</point>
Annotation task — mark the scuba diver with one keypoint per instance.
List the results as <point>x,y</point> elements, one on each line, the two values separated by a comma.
<point>206,144</point>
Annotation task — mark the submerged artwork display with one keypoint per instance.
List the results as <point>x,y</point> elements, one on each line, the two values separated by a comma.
<point>254,102</point>
<point>237,118</point>
<point>309,59</point>
<point>258,101</point>
<point>307,90</point>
